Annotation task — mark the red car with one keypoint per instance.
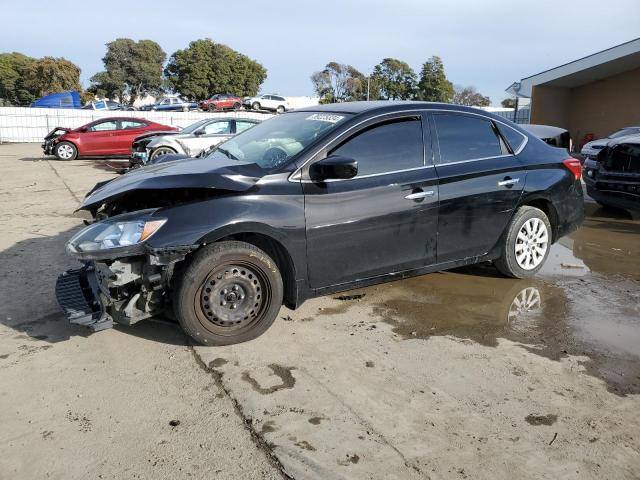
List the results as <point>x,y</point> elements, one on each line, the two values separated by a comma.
<point>107,137</point>
<point>222,101</point>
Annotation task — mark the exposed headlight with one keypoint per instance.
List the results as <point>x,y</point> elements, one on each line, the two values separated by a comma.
<point>114,233</point>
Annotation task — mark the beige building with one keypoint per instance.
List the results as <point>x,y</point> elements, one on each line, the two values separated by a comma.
<point>593,95</point>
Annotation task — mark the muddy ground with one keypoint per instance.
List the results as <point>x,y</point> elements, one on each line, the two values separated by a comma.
<point>462,374</point>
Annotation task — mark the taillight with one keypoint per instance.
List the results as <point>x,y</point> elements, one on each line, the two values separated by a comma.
<point>574,166</point>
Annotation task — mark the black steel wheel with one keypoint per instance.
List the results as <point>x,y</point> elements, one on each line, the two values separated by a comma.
<point>230,292</point>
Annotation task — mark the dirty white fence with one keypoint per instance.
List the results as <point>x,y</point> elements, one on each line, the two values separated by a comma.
<point>23,124</point>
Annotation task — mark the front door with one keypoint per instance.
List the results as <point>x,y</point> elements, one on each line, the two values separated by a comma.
<point>480,180</point>
<point>99,138</point>
<point>385,218</point>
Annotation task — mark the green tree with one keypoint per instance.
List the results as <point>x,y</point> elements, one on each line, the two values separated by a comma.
<point>205,68</point>
<point>470,96</point>
<point>339,83</point>
<point>13,67</point>
<point>508,103</point>
<point>395,79</point>
<point>24,79</point>
<point>433,85</point>
<point>131,70</point>
<point>51,75</point>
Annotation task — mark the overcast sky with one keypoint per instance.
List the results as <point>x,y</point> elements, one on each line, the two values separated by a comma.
<point>488,44</point>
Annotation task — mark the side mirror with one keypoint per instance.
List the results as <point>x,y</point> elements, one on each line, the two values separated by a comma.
<point>334,167</point>
<point>84,129</point>
<point>199,132</point>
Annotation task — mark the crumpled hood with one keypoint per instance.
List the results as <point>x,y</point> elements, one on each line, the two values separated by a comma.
<point>204,172</point>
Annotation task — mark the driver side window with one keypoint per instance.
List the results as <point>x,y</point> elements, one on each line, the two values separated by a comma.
<point>385,147</point>
<point>218,128</point>
<point>104,126</point>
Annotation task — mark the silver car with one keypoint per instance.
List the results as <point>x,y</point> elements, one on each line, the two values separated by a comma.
<point>197,137</point>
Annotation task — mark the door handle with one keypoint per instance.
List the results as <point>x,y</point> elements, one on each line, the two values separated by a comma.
<point>508,182</point>
<point>420,195</point>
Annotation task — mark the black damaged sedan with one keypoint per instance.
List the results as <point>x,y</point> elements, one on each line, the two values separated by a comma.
<point>313,202</point>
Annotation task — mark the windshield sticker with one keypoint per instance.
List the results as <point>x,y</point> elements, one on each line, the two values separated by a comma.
<point>325,117</point>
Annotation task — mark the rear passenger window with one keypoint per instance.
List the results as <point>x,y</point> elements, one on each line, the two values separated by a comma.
<point>463,137</point>
<point>514,138</point>
<point>387,147</point>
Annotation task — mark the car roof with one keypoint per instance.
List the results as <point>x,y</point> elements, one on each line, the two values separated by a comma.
<point>121,118</point>
<point>386,105</point>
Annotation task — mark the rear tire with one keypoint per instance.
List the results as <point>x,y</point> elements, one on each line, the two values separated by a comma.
<point>236,106</point>
<point>230,292</point>
<point>66,151</point>
<point>527,243</point>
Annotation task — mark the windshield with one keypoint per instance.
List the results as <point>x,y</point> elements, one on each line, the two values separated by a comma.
<point>624,132</point>
<point>273,142</point>
<point>194,126</point>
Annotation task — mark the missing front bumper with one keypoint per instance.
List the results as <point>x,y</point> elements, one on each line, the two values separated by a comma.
<point>77,294</point>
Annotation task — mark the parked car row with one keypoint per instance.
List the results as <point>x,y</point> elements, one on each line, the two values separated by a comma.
<point>312,202</point>
<point>222,101</point>
<point>139,139</point>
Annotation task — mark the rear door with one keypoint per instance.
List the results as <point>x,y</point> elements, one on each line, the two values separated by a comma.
<point>381,221</point>
<point>481,182</point>
<point>127,132</point>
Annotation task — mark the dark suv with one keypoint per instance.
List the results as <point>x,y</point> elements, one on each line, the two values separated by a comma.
<point>313,202</point>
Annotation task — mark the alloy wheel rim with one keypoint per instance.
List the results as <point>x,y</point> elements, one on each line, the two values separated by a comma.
<point>65,151</point>
<point>527,300</point>
<point>532,243</point>
<point>232,296</point>
<point>162,152</point>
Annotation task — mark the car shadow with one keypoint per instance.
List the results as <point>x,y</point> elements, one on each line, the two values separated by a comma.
<point>27,295</point>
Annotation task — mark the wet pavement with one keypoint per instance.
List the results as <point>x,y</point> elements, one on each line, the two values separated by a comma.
<point>585,301</point>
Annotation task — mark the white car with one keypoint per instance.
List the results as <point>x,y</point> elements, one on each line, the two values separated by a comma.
<point>267,102</point>
<point>592,148</point>
<point>192,140</point>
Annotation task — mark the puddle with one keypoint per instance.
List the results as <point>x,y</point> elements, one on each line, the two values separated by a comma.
<point>570,308</point>
<point>608,242</point>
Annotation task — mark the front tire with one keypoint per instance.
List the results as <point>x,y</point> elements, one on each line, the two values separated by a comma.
<point>527,243</point>
<point>280,109</point>
<point>66,151</point>
<point>230,292</point>
<point>255,106</point>
<point>161,151</point>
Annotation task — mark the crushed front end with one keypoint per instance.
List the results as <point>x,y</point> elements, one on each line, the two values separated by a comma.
<point>124,291</point>
<point>122,280</point>
<point>51,140</point>
<point>613,177</point>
